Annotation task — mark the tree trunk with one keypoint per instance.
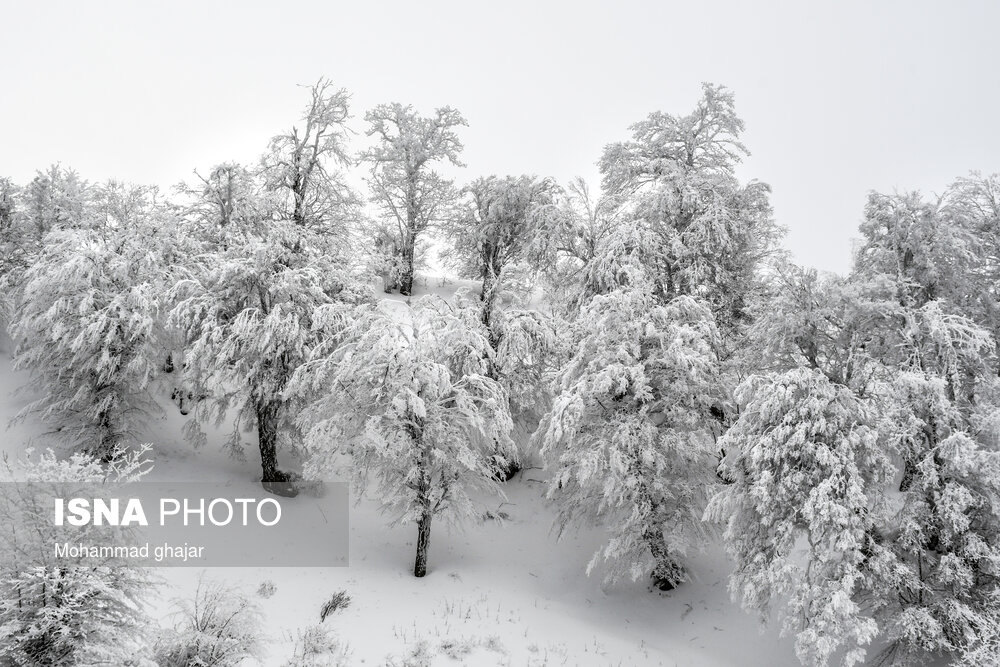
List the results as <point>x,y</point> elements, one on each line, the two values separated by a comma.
<point>488,299</point>
<point>667,572</point>
<point>909,473</point>
<point>299,195</point>
<point>423,499</point>
<point>273,479</point>
<point>423,541</point>
<point>406,279</point>
<point>108,438</point>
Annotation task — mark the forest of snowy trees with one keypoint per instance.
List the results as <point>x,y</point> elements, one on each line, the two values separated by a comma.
<point>648,343</point>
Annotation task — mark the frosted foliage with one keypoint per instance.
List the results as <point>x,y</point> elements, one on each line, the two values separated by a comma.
<point>300,167</point>
<point>704,233</point>
<point>248,310</point>
<point>411,196</point>
<point>523,358</point>
<point>58,200</point>
<point>895,385</point>
<point>822,322</point>
<point>972,204</point>
<point>913,242</point>
<point>629,430</point>
<point>90,331</point>
<point>941,595</point>
<point>522,351</point>
<point>408,146</point>
<point>806,471</point>
<point>985,651</point>
<point>499,223</point>
<point>411,403</point>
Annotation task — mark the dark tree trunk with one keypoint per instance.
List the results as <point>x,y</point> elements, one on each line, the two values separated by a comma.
<point>667,572</point>
<point>274,480</point>
<point>406,279</point>
<point>108,437</point>
<point>299,195</point>
<point>423,542</point>
<point>267,440</point>
<point>488,298</point>
<point>909,473</point>
<point>423,499</point>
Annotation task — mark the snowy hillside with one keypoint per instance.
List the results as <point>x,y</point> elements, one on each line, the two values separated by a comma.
<point>631,410</point>
<point>503,593</point>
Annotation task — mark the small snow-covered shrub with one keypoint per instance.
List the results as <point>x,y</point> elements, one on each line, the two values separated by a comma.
<point>219,627</point>
<point>466,651</point>
<point>420,655</point>
<point>462,649</point>
<point>318,646</point>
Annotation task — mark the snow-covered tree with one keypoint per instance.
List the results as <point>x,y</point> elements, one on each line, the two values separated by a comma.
<point>56,198</point>
<point>56,611</point>
<point>945,534</point>
<point>910,243</point>
<point>807,473</point>
<point>496,239</point>
<point>387,253</point>
<point>984,651</point>
<point>835,326</point>
<point>872,381</point>
<point>630,429</point>
<point>409,398</point>
<point>704,233</point>
<point>247,309</point>
<point>587,220</point>
<point>15,248</point>
<point>88,329</point>
<point>403,181</point>
<point>300,167</point>
<point>568,240</point>
<point>8,203</point>
<point>497,228</point>
<point>230,194</point>
<point>972,204</point>
<point>939,595</point>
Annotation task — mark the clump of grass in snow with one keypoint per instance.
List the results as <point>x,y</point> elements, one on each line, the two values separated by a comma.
<point>266,589</point>
<point>337,601</point>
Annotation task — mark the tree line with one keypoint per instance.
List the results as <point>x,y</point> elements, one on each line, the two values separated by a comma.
<point>650,344</point>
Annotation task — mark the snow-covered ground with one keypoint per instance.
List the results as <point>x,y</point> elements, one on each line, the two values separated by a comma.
<point>505,593</point>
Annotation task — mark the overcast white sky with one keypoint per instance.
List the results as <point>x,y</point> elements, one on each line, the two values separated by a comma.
<point>838,97</point>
